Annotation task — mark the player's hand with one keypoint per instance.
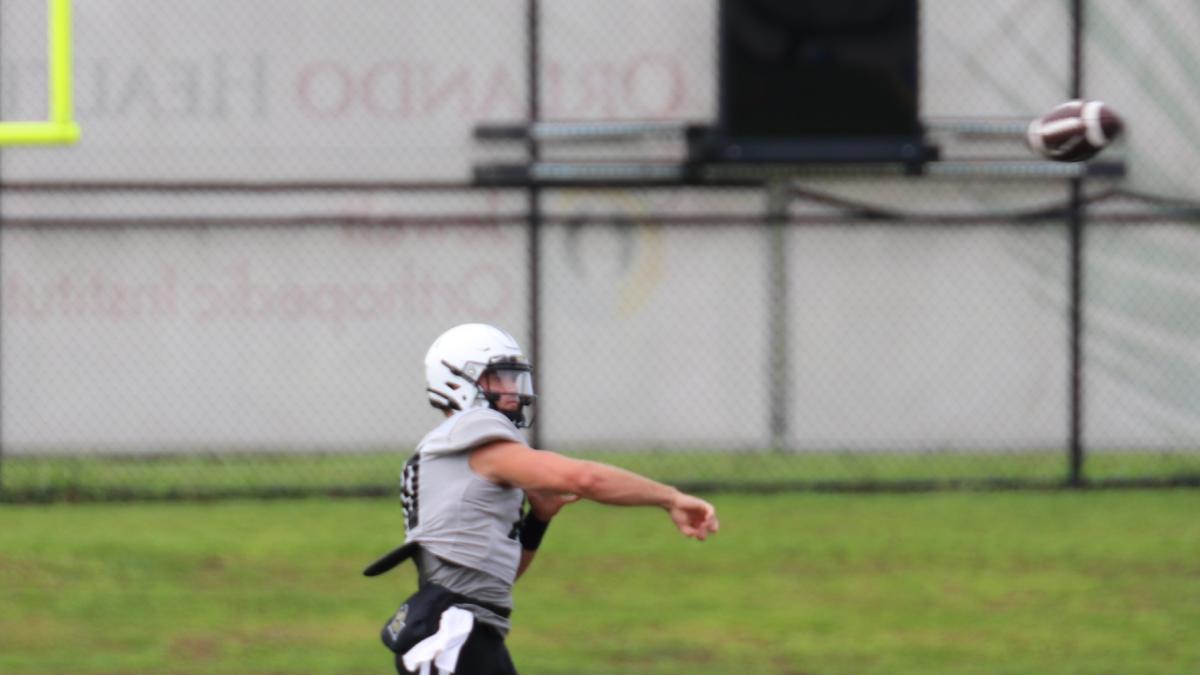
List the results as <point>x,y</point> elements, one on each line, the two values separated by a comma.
<point>545,505</point>
<point>694,517</point>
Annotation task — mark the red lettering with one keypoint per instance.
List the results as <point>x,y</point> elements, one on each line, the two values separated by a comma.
<point>393,79</point>
<point>654,86</point>
<point>458,83</point>
<point>325,89</point>
<point>502,97</point>
<point>484,291</point>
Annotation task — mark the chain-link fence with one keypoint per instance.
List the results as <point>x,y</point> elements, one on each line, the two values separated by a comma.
<point>229,284</point>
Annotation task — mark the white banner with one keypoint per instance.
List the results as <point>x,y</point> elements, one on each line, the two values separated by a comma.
<point>135,336</point>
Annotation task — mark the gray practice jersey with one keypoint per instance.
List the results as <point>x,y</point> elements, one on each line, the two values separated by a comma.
<point>468,526</point>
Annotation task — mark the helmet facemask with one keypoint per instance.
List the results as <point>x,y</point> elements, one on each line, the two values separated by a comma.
<point>505,384</point>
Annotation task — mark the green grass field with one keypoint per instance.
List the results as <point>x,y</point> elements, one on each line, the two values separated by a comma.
<point>958,582</point>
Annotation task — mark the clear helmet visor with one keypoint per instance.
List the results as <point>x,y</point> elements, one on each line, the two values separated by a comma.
<point>508,389</point>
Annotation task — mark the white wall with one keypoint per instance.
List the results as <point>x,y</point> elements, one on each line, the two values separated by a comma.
<point>130,338</point>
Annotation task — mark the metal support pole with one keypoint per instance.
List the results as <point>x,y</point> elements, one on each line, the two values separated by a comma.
<point>1076,226</point>
<point>778,198</point>
<point>1075,239</point>
<point>534,229</point>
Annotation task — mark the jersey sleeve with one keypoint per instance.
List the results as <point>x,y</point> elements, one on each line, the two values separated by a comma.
<point>477,427</point>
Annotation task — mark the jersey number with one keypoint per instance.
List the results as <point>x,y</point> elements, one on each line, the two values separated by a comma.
<point>515,532</point>
<point>409,482</point>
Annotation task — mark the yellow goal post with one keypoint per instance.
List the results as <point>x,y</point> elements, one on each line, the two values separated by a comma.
<point>61,128</point>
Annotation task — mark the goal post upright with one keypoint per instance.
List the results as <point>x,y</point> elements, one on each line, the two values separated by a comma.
<point>61,127</point>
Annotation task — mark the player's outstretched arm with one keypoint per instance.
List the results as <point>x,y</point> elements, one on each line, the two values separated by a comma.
<point>516,464</point>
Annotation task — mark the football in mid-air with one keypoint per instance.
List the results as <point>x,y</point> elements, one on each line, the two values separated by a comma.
<point>1074,131</point>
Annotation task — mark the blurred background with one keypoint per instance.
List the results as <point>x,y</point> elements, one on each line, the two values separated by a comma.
<point>228,284</point>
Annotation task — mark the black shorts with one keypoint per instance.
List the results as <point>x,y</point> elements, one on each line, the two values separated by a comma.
<point>484,653</point>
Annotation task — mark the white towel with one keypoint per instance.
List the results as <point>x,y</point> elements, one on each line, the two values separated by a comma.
<point>442,648</point>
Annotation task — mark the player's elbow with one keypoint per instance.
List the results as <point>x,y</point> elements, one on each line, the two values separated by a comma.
<point>584,480</point>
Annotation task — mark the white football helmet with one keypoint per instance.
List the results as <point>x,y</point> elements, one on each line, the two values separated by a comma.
<point>475,365</point>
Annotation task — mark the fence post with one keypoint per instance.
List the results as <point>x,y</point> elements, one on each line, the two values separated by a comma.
<point>778,199</point>
<point>1075,228</point>
<point>534,230</point>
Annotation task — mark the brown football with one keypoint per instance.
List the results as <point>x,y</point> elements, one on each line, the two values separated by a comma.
<point>1074,131</point>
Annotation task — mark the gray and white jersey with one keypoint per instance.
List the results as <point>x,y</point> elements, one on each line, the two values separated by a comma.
<point>470,524</point>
